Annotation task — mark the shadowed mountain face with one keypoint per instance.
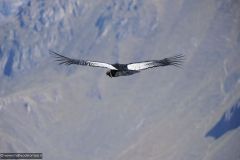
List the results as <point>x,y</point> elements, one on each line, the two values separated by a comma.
<point>229,121</point>
<point>164,113</point>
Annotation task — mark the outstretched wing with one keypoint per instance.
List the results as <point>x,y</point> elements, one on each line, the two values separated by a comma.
<point>175,61</point>
<point>68,61</point>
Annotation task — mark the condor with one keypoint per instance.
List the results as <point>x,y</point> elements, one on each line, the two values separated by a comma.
<point>116,70</point>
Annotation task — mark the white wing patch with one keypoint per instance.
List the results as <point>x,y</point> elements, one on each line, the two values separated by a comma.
<point>100,64</point>
<point>139,66</point>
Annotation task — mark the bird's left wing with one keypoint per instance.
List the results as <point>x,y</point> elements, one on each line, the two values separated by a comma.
<point>175,61</point>
<point>68,61</point>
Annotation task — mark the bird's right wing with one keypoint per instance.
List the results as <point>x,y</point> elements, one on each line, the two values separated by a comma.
<point>68,61</point>
<point>175,61</point>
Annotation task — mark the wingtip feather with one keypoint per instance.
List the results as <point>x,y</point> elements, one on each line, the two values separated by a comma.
<point>177,60</point>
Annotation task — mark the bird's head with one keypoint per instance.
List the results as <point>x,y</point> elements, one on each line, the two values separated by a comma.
<point>109,73</point>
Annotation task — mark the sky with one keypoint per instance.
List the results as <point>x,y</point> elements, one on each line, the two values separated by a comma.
<point>165,113</point>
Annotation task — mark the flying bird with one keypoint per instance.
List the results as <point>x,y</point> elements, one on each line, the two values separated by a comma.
<point>116,70</point>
